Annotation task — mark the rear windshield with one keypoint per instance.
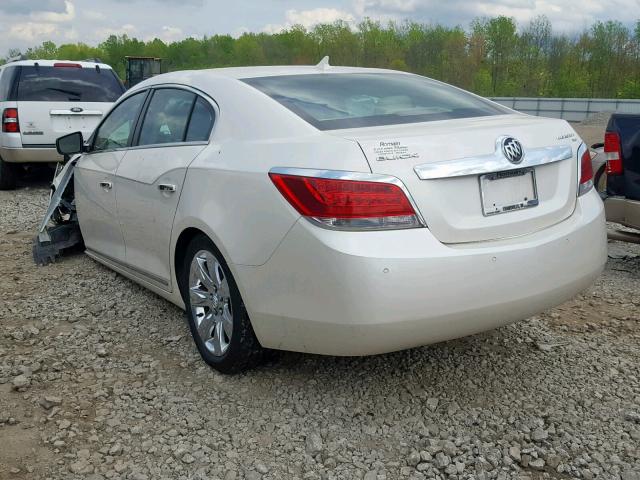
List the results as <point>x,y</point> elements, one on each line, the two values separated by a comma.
<point>350,100</point>
<point>68,84</point>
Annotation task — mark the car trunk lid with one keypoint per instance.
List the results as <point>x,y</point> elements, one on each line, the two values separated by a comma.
<point>41,123</point>
<point>443,164</point>
<point>56,98</point>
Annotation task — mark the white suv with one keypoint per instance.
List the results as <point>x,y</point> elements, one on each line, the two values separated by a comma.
<point>41,100</point>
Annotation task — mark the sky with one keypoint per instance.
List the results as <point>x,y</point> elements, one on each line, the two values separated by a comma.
<point>25,23</point>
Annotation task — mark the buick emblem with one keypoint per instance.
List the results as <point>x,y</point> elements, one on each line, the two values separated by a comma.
<point>512,149</point>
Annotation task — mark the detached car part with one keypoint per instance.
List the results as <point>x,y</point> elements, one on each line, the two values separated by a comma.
<point>59,229</point>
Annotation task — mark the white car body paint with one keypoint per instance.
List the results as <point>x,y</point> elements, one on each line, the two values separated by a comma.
<point>317,290</point>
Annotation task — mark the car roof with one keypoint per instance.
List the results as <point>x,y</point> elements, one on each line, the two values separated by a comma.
<point>272,71</point>
<point>206,78</point>
<point>200,77</point>
<point>51,63</point>
<point>232,96</point>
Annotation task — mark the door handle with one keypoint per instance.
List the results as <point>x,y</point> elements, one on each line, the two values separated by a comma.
<point>166,187</point>
<point>106,185</point>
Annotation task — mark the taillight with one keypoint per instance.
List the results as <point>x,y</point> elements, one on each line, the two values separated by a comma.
<point>586,173</point>
<point>350,204</point>
<point>613,153</point>
<point>10,123</point>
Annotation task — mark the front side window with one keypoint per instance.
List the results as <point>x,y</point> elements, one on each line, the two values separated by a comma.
<point>68,84</point>
<point>117,128</point>
<point>167,117</point>
<point>332,101</point>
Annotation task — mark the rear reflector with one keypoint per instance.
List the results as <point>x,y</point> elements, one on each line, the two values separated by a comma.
<point>613,153</point>
<point>586,173</point>
<point>10,123</point>
<point>348,204</point>
<point>67,65</point>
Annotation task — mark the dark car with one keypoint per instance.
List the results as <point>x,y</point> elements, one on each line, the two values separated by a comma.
<point>617,167</point>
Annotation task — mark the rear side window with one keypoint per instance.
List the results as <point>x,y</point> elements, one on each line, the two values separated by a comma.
<point>332,101</point>
<point>7,81</point>
<point>201,122</point>
<point>68,84</point>
<point>167,117</point>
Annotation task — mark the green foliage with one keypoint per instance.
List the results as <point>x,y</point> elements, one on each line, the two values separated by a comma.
<point>493,57</point>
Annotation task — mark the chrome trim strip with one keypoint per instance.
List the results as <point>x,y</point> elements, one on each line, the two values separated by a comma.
<point>93,113</point>
<point>168,145</point>
<point>125,266</point>
<point>347,175</point>
<point>495,162</point>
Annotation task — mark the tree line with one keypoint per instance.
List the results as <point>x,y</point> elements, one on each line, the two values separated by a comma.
<point>493,57</point>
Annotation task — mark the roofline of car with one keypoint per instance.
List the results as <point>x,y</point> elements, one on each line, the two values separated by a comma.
<point>50,63</point>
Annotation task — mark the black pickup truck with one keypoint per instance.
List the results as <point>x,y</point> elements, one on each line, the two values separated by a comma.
<point>617,168</point>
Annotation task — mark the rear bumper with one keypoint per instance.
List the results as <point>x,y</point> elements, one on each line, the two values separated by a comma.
<point>30,155</point>
<point>622,210</point>
<point>348,293</point>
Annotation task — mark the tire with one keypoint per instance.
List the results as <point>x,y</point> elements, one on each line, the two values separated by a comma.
<point>225,338</point>
<point>8,173</point>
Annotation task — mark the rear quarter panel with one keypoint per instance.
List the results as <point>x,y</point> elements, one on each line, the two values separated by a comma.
<point>228,193</point>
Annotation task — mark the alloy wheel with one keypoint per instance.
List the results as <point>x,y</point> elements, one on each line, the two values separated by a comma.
<point>210,299</point>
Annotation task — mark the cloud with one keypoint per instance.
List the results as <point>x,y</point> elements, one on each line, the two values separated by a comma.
<point>71,35</point>
<point>389,6</point>
<point>309,18</point>
<point>32,32</point>
<point>43,24</point>
<point>168,34</point>
<point>105,32</point>
<point>56,17</point>
<point>238,32</point>
<point>94,15</point>
<point>563,14</point>
<point>191,3</point>
<point>25,7</point>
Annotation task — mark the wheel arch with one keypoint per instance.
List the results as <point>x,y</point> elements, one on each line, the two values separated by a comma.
<point>187,233</point>
<point>185,237</point>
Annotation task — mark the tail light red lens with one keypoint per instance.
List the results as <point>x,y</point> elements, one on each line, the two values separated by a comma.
<point>66,65</point>
<point>348,204</point>
<point>586,173</point>
<point>613,153</point>
<point>10,123</point>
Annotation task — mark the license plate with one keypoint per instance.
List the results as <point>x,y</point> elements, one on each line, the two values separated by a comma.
<point>503,192</point>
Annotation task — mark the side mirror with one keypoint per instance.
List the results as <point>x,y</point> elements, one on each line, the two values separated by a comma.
<point>70,144</point>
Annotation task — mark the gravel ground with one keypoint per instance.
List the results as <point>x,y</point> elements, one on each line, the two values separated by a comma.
<point>99,378</point>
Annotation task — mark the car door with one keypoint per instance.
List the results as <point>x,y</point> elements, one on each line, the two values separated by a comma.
<point>174,129</point>
<point>95,175</point>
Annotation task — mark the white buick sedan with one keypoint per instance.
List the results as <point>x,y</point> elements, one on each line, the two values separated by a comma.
<point>331,210</point>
